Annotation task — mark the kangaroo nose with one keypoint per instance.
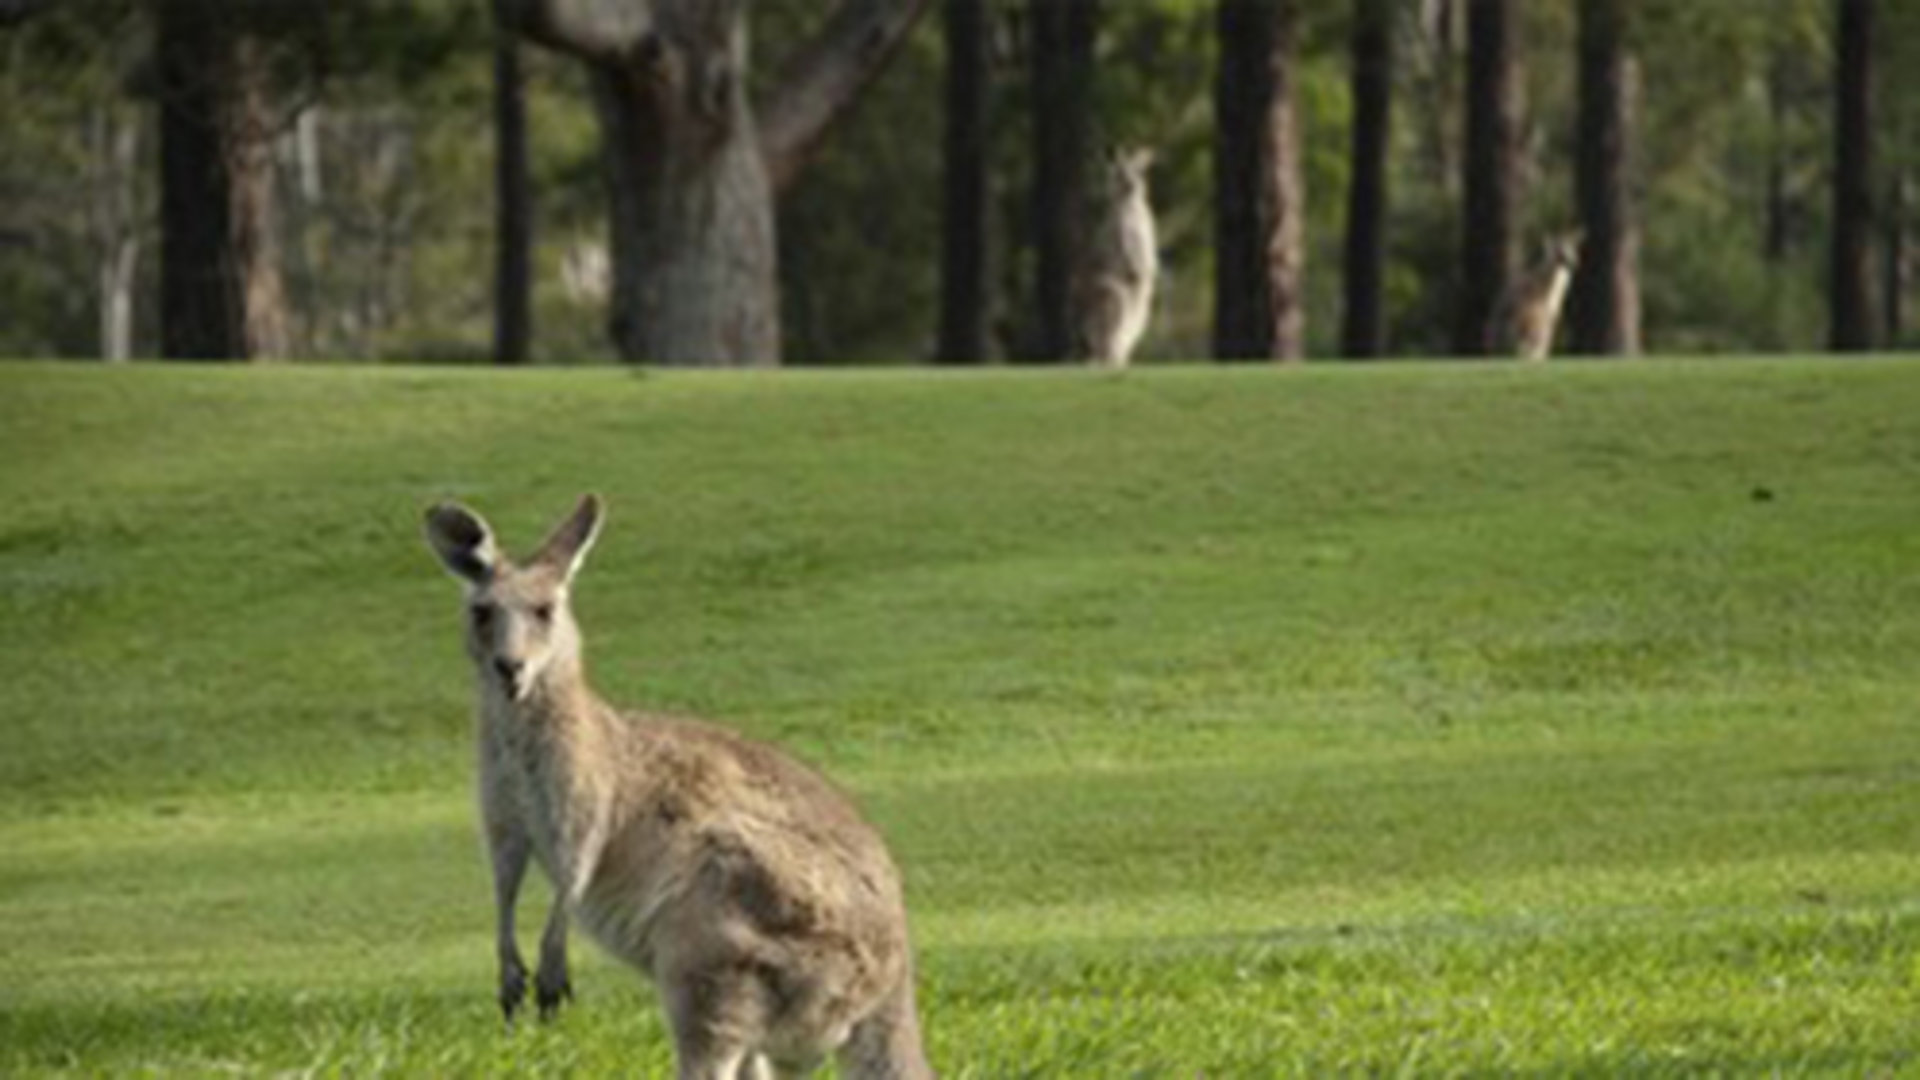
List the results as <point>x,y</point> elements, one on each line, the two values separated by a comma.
<point>508,670</point>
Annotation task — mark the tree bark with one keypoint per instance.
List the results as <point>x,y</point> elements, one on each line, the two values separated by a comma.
<point>1489,243</point>
<point>692,171</point>
<point>826,78</point>
<point>1849,286</point>
<point>1064,32</point>
<point>513,207</point>
<point>965,286</point>
<point>250,129</point>
<point>694,277</point>
<point>221,293</point>
<point>1259,237</point>
<point>1363,332</point>
<point>1604,305</point>
<point>199,301</point>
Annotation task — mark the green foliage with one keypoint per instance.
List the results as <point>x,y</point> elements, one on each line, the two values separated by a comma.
<point>65,76</point>
<point>1467,720</point>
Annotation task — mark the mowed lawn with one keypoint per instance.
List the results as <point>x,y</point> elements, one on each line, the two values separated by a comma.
<point>1413,719</point>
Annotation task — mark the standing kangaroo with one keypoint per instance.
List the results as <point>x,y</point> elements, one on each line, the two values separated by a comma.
<point>1525,321</point>
<point>1115,282</point>
<point>745,885</point>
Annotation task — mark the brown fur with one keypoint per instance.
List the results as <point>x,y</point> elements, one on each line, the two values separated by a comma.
<point>1529,314</point>
<point>742,882</point>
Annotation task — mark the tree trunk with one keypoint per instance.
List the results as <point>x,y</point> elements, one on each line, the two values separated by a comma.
<point>1489,244</point>
<point>1259,232</point>
<point>693,240</point>
<point>249,139</point>
<point>199,296</point>
<point>826,78</point>
<point>965,310</point>
<point>513,207</point>
<point>1363,331</point>
<point>691,170</point>
<point>1063,39</point>
<point>1605,302</point>
<point>1851,307</point>
<point>221,293</point>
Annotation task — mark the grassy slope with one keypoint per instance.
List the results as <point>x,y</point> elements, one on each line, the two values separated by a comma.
<point>1450,718</point>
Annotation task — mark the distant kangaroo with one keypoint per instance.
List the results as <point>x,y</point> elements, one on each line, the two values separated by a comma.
<point>1114,285</point>
<point>745,885</point>
<point>1524,323</point>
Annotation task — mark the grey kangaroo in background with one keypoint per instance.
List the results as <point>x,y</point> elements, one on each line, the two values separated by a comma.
<point>745,885</point>
<point>1525,321</point>
<point>1122,260</point>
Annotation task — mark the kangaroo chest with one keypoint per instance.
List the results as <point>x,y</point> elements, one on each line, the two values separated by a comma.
<point>524,777</point>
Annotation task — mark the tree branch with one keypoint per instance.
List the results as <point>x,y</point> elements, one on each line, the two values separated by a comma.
<point>597,31</point>
<point>826,77</point>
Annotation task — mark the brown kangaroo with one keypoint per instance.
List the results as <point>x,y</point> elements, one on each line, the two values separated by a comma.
<point>1529,313</point>
<point>1115,280</point>
<point>743,883</point>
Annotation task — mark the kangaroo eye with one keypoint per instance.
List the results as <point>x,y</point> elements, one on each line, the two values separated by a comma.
<point>482,616</point>
<point>543,612</point>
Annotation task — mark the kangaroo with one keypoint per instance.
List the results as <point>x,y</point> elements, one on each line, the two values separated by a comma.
<point>1114,284</point>
<point>1529,313</point>
<point>741,882</point>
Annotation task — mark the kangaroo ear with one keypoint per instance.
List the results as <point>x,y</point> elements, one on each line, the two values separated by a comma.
<point>567,547</point>
<point>463,542</point>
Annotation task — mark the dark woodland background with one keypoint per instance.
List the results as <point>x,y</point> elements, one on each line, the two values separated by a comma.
<point>1335,178</point>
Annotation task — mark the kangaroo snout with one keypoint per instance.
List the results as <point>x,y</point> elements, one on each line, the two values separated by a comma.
<point>509,672</point>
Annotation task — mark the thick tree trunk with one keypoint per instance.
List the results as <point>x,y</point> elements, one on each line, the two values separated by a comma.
<point>1363,330</point>
<point>513,208</point>
<point>199,296</point>
<point>693,238</point>
<point>691,171</point>
<point>1489,241</point>
<point>1063,39</point>
<point>1849,286</point>
<point>1604,305</point>
<point>966,315</point>
<point>221,293</point>
<point>1259,233</point>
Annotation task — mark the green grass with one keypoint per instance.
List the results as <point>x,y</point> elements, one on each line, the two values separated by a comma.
<point>1410,720</point>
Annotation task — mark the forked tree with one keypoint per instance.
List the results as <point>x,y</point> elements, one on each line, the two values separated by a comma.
<point>695,164</point>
